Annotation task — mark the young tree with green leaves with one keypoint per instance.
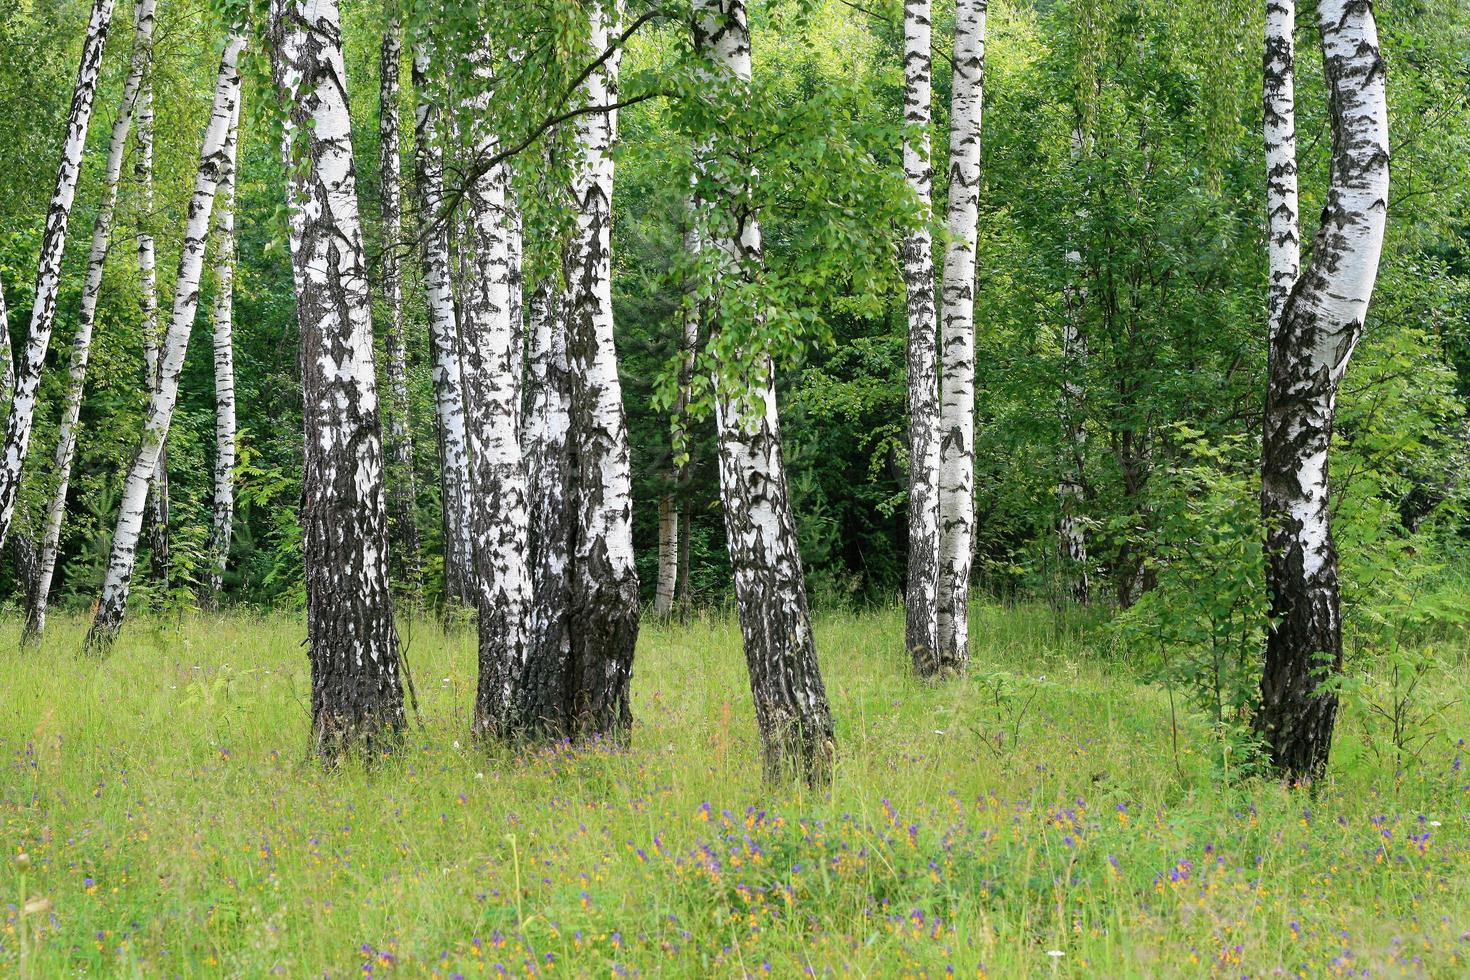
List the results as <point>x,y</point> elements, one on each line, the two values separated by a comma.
<point>1320,324</point>
<point>792,712</point>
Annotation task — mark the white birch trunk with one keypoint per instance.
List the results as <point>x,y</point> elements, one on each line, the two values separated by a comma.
<point>221,527</point>
<point>357,697</point>
<point>516,283</point>
<point>152,334</point>
<point>543,692</point>
<point>921,596</point>
<point>48,268</point>
<point>490,367</point>
<point>1319,326</point>
<point>403,492</point>
<point>112,603</point>
<point>1279,97</point>
<point>81,350</point>
<point>791,707</point>
<point>668,555</point>
<point>454,457</point>
<point>7,369</point>
<point>1070,489</point>
<point>957,408</point>
<point>605,601</point>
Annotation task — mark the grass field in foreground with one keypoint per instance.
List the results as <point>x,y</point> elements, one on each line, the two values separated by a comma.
<point>174,827</point>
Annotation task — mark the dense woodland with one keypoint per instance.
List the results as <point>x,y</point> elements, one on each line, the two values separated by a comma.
<point>1053,300</point>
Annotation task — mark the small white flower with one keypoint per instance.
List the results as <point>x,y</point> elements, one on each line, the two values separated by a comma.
<point>456,743</point>
<point>1434,823</point>
<point>1053,953</point>
<point>479,775</point>
<point>938,731</point>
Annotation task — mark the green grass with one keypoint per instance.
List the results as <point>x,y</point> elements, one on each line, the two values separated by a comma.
<point>175,827</point>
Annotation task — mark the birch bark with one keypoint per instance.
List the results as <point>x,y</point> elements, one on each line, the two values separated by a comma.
<point>222,521</point>
<point>544,689</point>
<point>7,370</point>
<point>357,697</point>
<point>922,594</point>
<point>1279,97</point>
<point>1320,324</point>
<point>791,707</point>
<point>668,555</point>
<point>48,268</point>
<point>957,407</point>
<point>81,350</point>
<point>490,366</point>
<point>605,602</point>
<point>454,458</point>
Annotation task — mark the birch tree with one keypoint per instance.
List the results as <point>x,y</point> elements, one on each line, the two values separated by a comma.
<point>81,350</point>
<point>544,688</point>
<point>922,593</point>
<point>152,336</point>
<point>668,553</point>
<point>957,408</point>
<point>1071,489</point>
<point>356,694</point>
<point>673,514</point>
<point>1319,324</point>
<point>7,370</point>
<point>402,490</point>
<point>223,319</point>
<point>48,267</point>
<point>213,162</point>
<point>791,707</point>
<point>490,364</point>
<point>1279,98</point>
<point>605,601</point>
<point>454,457</point>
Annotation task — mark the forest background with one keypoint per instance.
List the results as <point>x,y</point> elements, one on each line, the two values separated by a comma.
<point>1164,206</point>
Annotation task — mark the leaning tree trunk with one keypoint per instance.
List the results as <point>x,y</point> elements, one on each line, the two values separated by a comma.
<point>81,350</point>
<point>490,364</point>
<point>222,523</point>
<point>213,161</point>
<point>48,268</point>
<point>921,596</point>
<point>356,694</point>
<point>402,492</point>
<point>1320,324</point>
<point>791,707</point>
<point>957,425</point>
<point>454,455</point>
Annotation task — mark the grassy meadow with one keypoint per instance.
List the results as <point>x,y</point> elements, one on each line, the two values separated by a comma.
<point>1041,817</point>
